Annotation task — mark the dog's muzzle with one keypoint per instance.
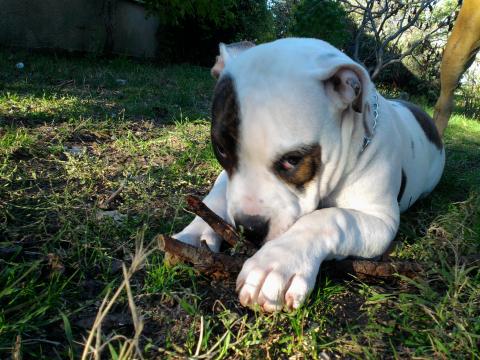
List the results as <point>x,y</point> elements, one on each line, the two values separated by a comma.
<point>255,228</point>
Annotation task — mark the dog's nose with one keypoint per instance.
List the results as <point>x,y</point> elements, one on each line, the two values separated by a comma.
<point>255,228</point>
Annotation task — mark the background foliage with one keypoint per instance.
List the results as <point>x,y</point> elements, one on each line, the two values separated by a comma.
<point>191,30</point>
<point>326,20</point>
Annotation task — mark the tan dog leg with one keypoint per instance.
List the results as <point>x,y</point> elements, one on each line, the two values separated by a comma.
<point>461,49</point>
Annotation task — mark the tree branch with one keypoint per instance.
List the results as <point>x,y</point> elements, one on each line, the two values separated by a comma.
<point>387,21</point>
<point>225,230</point>
<point>222,265</point>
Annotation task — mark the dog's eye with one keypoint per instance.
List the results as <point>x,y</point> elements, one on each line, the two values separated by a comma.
<point>289,162</point>
<point>221,150</point>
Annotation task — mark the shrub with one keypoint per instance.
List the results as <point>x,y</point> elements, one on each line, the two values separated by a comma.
<point>190,31</point>
<point>322,19</point>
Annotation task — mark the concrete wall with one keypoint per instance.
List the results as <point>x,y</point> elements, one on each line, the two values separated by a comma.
<point>134,34</point>
<point>79,25</point>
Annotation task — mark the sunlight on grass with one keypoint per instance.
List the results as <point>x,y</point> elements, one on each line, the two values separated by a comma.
<point>71,137</point>
<point>41,108</point>
<point>440,317</point>
<point>60,88</point>
<point>13,140</point>
<point>463,131</point>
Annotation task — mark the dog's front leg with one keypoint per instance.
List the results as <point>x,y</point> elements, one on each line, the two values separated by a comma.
<point>198,229</point>
<point>284,270</point>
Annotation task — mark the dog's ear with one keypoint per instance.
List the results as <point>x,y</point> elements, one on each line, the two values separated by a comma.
<point>348,86</point>
<point>228,52</point>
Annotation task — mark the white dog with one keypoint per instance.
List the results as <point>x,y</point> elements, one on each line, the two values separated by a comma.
<point>317,164</point>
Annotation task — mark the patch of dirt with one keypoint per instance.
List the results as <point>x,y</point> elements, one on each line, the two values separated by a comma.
<point>348,309</point>
<point>111,321</point>
<point>167,323</point>
<point>20,121</point>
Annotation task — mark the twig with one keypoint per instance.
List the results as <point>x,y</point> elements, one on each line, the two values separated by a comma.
<point>202,258</point>
<point>17,349</point>
<point>62,84</point>
<point>365,269</point>
<point>113,196</point>
<point>223,265</point>
<point>223,229</point>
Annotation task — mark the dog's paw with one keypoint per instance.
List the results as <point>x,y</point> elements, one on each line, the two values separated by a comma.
<point>197,231</point>
<point>276,277</point>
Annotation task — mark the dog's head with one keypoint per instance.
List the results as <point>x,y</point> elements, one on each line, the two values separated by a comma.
<point>277,118</point>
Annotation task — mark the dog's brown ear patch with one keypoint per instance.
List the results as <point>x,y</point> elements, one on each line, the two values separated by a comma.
<point>425,122</point>
<point>225,123</point>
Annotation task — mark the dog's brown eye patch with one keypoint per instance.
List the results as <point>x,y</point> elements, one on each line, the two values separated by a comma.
<point>298,167</point>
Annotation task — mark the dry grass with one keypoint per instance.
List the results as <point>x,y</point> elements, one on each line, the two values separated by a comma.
<point>128,347</point>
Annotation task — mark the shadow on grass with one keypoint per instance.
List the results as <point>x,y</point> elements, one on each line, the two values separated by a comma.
<point>54,89</point>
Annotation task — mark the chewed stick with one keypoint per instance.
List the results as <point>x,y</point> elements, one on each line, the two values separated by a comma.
<point>222,264</point>
<point>223,229</point>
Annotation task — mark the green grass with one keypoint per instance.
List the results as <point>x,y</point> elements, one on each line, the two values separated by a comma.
<point>71,134</point>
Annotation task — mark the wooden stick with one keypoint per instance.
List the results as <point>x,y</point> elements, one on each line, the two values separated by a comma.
<point>224,265</point>
<point>221,264</point>
<point>113,196</point>
<point>202,258</point>
<point>365,269</point>
<point>222,228</point>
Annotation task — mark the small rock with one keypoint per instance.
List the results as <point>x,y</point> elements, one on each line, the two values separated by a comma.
<point>75,150</point>
<point>55,263</point>
<point>116,266</point>
<point>324,356</point>
<point>121,81</point>
<point>112,214</point>
<point>20,65</point>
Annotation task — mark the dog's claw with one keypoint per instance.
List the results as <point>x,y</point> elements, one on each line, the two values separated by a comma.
<point>239,285</point>
<point>252,283</point>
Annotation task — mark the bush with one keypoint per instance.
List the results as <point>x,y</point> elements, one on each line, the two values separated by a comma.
<point>322,19</point>
<point>174,12</point>
<point>190,31</point>
<point>469,94</point>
